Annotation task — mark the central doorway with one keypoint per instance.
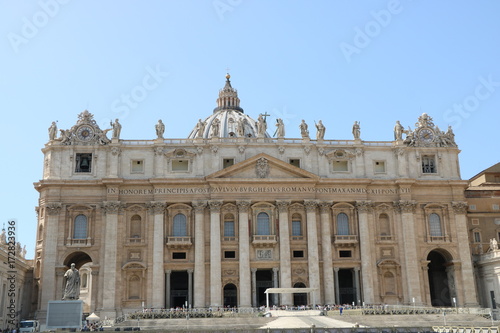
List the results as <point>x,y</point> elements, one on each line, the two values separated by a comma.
<point>264,279</point>
<point>439,284</point>
<point>179,289</point>
<point>347,290</point>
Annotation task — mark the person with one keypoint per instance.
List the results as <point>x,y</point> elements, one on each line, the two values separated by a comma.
<point>53,131</point>
<point>201,128</point>
<point>320,134</point>
<point>215,127</point>
<point>356,132</point>
<point>398,131</point>
<point>72,289</point>
<point>160,129</point>
<point>493,244</point>
<point>117,128</point>
<point>280,131</point>
<point>303,129</point>
<point>241,127</point>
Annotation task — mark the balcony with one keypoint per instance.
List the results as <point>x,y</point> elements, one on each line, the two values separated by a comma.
<point>229,239</point>
<point>264,240</point>
<point>179,242</point>
<point>438,239</point>
<point>345,240</point>
<point>386,238</point>
<point>79,242</point>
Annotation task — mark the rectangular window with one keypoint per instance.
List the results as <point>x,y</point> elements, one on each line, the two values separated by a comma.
<point>137,166</point>
<point>340,166</point>
<point>178,255</point>
<point>495,207</point>
<point>477,237</point>
<point>472,207</point>
<point>180,165</point>
<point>298,254</point>
<point>475,221</point>
<point>379,167</point>
<point>428,164</point>
<point>229,229</point>
<point>296,228</point>
<point>294,162</point>
<point>230,254</point>
<point>345,254</point>
<point>227,162</point>
<point>83,163</point>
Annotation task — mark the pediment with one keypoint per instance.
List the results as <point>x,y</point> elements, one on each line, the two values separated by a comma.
<point>263,166</point>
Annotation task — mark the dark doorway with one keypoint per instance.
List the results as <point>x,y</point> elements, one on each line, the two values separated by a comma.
<point>178,289</point>
<point>438,280</point>
<point>230,295</point>
<point>347,290</point>
<point>299,298</point>
<point>264,280</point>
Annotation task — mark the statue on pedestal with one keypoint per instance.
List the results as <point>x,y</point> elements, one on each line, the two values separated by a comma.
<point>398,131</point>
<point>160,129</point>
<point>280,130</point>
<point>320,134</point>
<point>117,128</point>
<point>356,131</point>
<point>72,289</point>
<point>53,131</point>
<point>304,129</point>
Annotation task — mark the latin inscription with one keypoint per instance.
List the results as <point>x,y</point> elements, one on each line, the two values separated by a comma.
<point>258,189</point>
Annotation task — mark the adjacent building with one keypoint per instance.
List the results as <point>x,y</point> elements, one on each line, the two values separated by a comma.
<point>215,218</point>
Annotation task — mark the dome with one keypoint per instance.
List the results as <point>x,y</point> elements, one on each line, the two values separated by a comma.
<point>228,119</point>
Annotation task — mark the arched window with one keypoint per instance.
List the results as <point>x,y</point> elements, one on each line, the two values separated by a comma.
<point>342,224</point>
<point>435,229</point>
<point>135,227</point>
<point>384,227</point>
<point>180,225</point>
<point>296,225</point>
<point>80,227</point>
<point>229,226</point>
<point>263,226</point>
<point>134,287</point>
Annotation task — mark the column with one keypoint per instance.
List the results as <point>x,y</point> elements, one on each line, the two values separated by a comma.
<point>168,274</point>
<point>365,239</point>
<point>337,290</point>
<point>467,283</point>
<point>254,287</point>
<point>326,247</point>
<point>357,286</point>
<point>285,257</point>
<point>275,284</point>
<point>215,255</point>
<point>424,265</point>
<point>312,250</point>
<point>199,254</point>
<point>94,274</point>
<point>409,248</point>
<point>49,255</point>
<point>190,288</point>
<point>111,211</point>
<point>245,287</point>
<point>157,286</point>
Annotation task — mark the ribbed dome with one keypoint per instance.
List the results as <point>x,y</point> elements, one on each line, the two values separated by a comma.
<point>228,119</point>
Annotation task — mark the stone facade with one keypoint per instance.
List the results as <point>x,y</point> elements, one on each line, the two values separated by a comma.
<point>215,219</point>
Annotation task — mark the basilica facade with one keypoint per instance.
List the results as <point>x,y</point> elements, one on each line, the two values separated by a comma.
<point>218,217</point>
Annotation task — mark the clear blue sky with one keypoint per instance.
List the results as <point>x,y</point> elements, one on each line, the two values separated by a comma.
<point>339,61</point>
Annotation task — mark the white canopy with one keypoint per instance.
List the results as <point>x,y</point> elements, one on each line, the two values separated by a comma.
<point>93,317</point>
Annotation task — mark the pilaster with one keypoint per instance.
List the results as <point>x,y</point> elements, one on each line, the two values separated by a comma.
<point>312,249</point>
<point>157,209</point>
<point>215,254</point>
<point>285,257</point>
<point>367,262</point>
<point>326,249</point>
<point>245,288</point>
<point>199,254</point>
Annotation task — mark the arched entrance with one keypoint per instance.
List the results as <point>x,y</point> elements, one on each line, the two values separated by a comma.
<point>230,295</point>
<point>299,298</point>
<point>439,279</point>
<point>83,264</point>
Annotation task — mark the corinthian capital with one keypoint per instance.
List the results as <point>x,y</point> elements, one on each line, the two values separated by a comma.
<point>364,206</point>
<point>199,206</point>
<point>53,208</point>
<point>243,205</point>
<point>156,207</point>
<point>112,207</point>
<point>215,205</point>
<point>310,205</point>
<point>459,207</point>
<point>283,205</point>
<point>406,206</point>
<point>325,206</point>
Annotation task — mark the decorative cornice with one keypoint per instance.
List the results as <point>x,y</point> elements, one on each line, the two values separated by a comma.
<point>243,205</point>
<point>199,206</point>
<point>215,205</point>
<point>283,205</point>
<point>310,205</point>
<point>459,207</point>
<point>156,207</point>
<point>364,206</point>
<point>53,208</point>
<point>112,207</point>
